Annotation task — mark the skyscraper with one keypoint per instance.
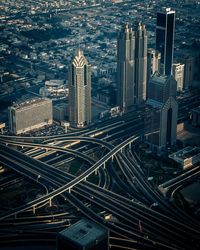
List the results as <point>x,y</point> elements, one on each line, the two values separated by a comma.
<point>125,67</point>
<point>79,91</point>
<point>161,122</point>
<point>131,66</point>
<point>189,62</point>
<point>140,63</point>
<point>165,39</point>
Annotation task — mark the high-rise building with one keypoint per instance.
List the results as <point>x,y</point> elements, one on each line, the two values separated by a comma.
<point>79,91</point>
<point>161,120</point>
<point>161,87</point>
<point>153,62</point>
<point>30,114</point>
<point>178,73</point>
<point>189,62</point>
<point>140,63</point>
<point>125,68</point>
<point>131,66</point>
<point>165,38</point>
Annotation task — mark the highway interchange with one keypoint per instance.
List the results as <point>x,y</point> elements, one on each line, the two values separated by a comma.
<point>142,216</point>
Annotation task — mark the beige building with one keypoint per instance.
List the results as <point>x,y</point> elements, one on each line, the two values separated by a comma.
<point>29,115</point>
<point>178,73</point>
<point>79,91</point>
<point>125,68</point>
<point>153,62</point>
<point>131,66</point>
<point>140,63</point>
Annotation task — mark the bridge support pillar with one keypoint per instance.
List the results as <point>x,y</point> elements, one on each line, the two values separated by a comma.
<point>70,190</point>
<point>130,145</point>
<point>96,172</point>
<point>104,165</point>
<point>33,209</point>
<point>50,202</point>
<point>112,157</point>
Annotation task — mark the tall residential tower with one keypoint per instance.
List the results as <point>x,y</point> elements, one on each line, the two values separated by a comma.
<point>140,63</point>
<point>125,68</point>
<point>165,39</point>
<point>131,66</point>
<point>79,91</point>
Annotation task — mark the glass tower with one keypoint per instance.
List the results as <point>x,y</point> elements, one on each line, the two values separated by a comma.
<point>165,39</point>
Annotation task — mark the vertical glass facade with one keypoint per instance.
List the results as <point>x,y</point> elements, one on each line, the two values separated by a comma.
<point>165,39</point>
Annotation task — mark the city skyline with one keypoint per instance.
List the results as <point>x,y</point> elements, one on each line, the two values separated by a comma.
<point>99,125</point>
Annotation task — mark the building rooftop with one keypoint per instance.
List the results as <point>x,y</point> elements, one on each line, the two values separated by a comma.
<point>28,102</point>
<point>84,232</point>
<point>159,78</point>
<point>196,110</point>
<point>185,153</point>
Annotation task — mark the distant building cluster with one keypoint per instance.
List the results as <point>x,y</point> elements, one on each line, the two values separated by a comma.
<point>54,89</point>
<point>142,76</point>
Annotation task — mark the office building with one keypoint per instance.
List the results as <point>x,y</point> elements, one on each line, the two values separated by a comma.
<point>79,91</point>
<point>165,39</point>
<point>60,112</point>
<point>196,116</point>
<point>125,68</point>
<point>161,119</point>
<point>189,62</point>
<point>161,87</point>
<point>29,115</point>
<point>140,63</point>
<point>178,73</point>
<point>83,235</point>
<point>187,157</point>
<point>131,66</point>
<point>153,62</point>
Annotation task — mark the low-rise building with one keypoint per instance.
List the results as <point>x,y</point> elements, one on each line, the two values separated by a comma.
<point>84,234</point>
<point>187,156</point>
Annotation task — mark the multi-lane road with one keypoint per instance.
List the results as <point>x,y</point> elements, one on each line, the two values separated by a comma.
<point>144,219</point>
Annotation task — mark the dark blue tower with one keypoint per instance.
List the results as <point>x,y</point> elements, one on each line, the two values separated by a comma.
<point>165,39</point>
